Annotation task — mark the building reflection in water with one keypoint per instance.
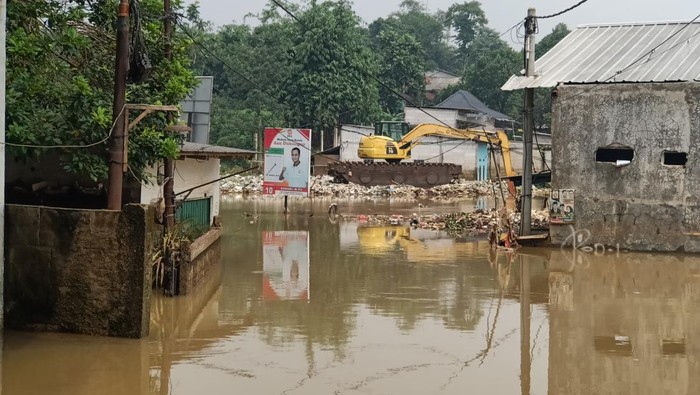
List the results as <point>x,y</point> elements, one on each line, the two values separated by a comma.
<point>624,323</point>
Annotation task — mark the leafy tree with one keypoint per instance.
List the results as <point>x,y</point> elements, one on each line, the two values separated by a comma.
<point>466,20</point>
<point>400,67</point>
<point>428,30</point>
<point>60,82</point>
<point>492,63</point>
<point>331,69</point>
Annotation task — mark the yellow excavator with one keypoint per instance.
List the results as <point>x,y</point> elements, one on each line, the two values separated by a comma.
<point>393,142</point>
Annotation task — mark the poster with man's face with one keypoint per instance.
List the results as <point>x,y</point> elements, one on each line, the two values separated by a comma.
<point>287,161</point>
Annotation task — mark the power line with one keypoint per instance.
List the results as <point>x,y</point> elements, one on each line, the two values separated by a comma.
<point>562,12</point>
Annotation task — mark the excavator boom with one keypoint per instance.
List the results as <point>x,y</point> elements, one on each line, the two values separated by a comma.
<point>393,143</point>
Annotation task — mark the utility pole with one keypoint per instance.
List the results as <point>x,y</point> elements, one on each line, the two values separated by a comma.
<point>168,171</point>
<point>116,142</point>
<point>529,125</point>
<point>3,26</point>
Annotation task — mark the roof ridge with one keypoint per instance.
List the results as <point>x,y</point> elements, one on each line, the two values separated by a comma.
<point>647,23</point>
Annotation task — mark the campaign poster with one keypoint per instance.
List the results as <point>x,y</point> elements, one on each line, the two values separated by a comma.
<point>285,265</point>
<point>561,206</point>
<point>287,161</point>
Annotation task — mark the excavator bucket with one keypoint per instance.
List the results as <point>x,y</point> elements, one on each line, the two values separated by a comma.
<point>419,174</point>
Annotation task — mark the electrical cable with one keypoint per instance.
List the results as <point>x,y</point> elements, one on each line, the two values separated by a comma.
<point>562,12</point>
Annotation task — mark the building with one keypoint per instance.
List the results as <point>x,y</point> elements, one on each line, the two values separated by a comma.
<point>437,80</point>
<point>625,134</point>
<point>461,110</point>
<point>198,164</point>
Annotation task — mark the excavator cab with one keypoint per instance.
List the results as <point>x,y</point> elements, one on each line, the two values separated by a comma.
<point>392,129</point>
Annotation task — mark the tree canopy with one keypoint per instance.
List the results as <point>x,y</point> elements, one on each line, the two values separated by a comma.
<point>60,83</point>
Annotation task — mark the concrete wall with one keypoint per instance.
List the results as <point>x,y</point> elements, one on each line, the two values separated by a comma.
<point>198,259</point>
<point>82,271</point>
<point>189,173</point>
<point>459,152</point>
<point>645,205</point>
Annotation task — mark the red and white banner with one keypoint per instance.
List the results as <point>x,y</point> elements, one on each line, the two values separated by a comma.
<point>287,161</point>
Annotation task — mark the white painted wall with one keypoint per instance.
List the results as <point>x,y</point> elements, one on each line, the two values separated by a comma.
<point>189,173</point>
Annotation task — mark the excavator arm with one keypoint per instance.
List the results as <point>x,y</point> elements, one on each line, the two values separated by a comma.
<point>393,142</point>
<point>499,138</point>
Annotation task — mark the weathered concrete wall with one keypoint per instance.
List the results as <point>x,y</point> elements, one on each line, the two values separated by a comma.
<point>198,259</point>
<point>82,271</point>
<point>645,205</point>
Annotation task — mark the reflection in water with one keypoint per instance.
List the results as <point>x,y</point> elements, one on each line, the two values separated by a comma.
<point>393,310</point>
<point>285,265</point>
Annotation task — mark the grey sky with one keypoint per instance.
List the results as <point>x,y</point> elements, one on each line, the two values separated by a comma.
<point>502,14</point>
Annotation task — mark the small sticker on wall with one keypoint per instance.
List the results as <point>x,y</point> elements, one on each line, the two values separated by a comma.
<point>561,207</point>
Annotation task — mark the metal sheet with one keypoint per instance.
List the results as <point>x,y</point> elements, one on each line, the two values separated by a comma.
<point>633,52</point>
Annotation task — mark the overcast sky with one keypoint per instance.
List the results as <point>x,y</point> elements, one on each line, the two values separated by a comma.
<point>502,14</point>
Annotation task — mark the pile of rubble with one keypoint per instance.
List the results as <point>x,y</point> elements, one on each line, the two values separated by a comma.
<point>324,186</point>
<point>473,223</point>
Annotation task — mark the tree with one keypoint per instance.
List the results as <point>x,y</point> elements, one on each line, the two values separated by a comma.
<point>428,30</point>
<point>492,62</point>
<point>466,20</point>
<point>400,68</point>
<point>60,83</point>
<point>331,69</point>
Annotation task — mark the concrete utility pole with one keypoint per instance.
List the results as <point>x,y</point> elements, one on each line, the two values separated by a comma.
<point>116,142</point>
<point>3,26</point>
<point>168,171</point>
<point>529,126</point>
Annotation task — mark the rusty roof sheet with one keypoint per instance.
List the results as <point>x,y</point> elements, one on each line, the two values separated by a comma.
<point>629,52</point>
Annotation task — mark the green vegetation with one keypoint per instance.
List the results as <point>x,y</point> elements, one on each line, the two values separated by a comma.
<point>60,82</point>
<point>323,67</point>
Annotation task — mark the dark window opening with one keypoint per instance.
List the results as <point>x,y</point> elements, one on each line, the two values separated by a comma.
<point>672,158</point>
<point>673,347</point>
<point>612,155</point>
<point>614,345</point>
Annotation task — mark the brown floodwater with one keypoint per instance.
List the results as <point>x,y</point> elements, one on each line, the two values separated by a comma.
<point>304,305</point>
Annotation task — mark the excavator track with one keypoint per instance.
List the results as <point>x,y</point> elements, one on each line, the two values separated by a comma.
<point>419,174</point>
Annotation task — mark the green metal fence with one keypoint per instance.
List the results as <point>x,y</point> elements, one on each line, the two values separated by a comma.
<point>194,215</point>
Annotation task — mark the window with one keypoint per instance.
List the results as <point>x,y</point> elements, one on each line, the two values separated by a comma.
<point>673,158</point>
<point>613,155</point>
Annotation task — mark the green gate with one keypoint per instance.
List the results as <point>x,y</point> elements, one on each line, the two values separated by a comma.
<point>194,215</point>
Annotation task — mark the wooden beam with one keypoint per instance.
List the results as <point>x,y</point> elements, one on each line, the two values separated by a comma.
<point>152,107</point>
<point>139,118</point>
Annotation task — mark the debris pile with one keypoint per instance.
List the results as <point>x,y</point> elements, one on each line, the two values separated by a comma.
<point>324,186</point>
<point>473,223</point>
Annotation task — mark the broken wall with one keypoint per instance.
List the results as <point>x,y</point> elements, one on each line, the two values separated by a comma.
<point>643,205</point>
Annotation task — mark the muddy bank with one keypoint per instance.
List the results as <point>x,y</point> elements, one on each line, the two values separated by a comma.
<point>322,186</point>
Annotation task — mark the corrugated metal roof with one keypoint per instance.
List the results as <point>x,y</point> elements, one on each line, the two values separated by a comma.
<point>631,52</point>
<point>204,150</point>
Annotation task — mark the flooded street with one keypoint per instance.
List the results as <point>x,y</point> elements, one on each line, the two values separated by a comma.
<point>304,305</point>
